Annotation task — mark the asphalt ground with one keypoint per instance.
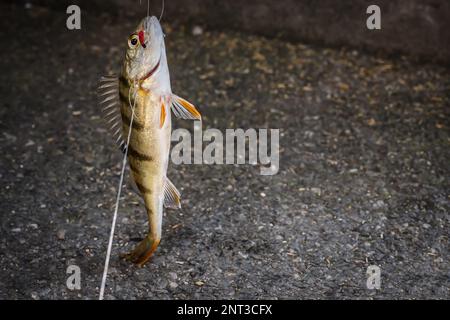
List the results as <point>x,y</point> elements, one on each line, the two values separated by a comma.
<point>363,180</point>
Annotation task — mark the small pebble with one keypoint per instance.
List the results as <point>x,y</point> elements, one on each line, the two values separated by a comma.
<point>199,283</point>
<point>61,234</point>
<point>30,143</point>
<point>173,275</point>
<point>197,31</point>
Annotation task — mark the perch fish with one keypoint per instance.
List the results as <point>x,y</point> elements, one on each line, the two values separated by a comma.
<point>142,96</point>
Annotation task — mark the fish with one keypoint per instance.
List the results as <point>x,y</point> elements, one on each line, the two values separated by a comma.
<point>142,93</point>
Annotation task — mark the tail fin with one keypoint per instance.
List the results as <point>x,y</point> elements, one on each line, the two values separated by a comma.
<point>143,251</point>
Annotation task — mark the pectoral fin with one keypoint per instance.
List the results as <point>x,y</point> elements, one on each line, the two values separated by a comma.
<point>184,109</point>
<point>162,118</point>
<point>172,197</point>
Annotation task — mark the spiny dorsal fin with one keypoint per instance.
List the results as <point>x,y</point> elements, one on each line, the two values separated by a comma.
<point>184,109</point>
<point>172,197</point>
<point>108,92</point>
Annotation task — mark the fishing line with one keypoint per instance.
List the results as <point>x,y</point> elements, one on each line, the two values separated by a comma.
<point>113,225</point>
<point>148,6</point>
<point>162,11</point>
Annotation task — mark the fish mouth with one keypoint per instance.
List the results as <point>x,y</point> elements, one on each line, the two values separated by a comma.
<point>152,71</point>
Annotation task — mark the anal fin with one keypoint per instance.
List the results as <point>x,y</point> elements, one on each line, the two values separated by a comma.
<point>172,197</point>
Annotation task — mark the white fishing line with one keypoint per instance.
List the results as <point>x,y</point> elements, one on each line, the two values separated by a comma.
<point>148,6</point>
<point>113,226</point>
<point>162,10</point>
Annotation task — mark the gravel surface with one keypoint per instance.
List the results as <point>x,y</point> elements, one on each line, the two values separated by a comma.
<point>364,169</point>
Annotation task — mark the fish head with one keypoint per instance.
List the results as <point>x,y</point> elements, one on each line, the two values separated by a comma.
<point>145,50</point>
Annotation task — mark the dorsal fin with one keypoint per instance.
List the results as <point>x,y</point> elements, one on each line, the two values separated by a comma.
<point>108,92</point>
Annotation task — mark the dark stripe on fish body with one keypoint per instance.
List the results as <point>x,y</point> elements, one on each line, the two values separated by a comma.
<point>133,168</point>
<point>142,189</point>
<point>123,81</point>
<point>138,155</point>
<point>136,125</point>
<point>125,99</point>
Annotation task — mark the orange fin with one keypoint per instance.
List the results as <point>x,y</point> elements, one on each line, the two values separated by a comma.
<point>162,118</point>
<point>143,252</point>
<point>184,109</point>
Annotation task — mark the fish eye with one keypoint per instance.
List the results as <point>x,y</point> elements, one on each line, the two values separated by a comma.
<point>133,41</point>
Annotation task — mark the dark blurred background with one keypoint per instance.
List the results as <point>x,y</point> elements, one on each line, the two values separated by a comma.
<point>419,28</point>
<point>364,119</point>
